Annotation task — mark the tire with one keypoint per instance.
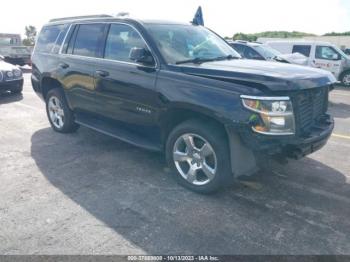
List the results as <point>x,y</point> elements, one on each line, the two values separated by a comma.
<point>203,133</point>
<point>345,79</point>
<point>61,117</point>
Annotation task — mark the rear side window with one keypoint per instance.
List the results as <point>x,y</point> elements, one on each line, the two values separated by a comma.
<point>47,38</point>
<point>302,49</point>
<point>88,40</point>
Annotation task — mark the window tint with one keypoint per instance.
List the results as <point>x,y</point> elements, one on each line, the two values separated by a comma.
<point>326,52</point>
<point>239,48</point>
<point>250,53</point>
<point>88,39</point>
<point>302,49</point>
<point>121,39</point>
<point>59,40</point>
<point>47,38</point>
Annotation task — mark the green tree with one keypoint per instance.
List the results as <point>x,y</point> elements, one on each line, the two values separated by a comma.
<point>270,34</point>
<point>245,37</point>
<point>30,32</point>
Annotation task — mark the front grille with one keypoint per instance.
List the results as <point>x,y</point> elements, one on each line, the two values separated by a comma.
<point>309,107</point>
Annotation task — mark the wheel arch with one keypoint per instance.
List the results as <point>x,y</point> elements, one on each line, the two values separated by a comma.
<point>48,83</point>
<point>178,113</point>
<point>343,73</point>
<point>243,161</point>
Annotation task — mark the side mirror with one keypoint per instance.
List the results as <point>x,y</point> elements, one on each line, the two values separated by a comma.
<point>336,57</point>
<point>141,55</point>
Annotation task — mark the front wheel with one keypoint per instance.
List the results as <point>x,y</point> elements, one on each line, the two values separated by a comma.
<point>61,117</point>
<point>345,79</point>
<point>199,157</point>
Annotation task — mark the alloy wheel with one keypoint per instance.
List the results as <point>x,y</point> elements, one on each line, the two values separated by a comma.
<point>56,112</point>
<point>195,159</point>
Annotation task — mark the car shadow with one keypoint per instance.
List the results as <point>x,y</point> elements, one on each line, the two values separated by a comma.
<point>300,208</point>
<point>8,97</point>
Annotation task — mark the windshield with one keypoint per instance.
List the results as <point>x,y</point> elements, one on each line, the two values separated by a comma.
<point>266,51</point>
<point>185,42</point>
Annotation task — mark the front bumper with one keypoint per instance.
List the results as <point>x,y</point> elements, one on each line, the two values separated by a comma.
<point>10,85</point>
<point>295,146</point>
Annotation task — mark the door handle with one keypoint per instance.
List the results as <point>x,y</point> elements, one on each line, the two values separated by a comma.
<point>102,73</point>
<point>63,65</point>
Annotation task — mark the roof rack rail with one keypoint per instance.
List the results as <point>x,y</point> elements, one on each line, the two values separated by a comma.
<point>79,17</point>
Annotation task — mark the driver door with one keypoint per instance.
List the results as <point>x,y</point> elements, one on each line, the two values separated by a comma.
<point>327,58</point>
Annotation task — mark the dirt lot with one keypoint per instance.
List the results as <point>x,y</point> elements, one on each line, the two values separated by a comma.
<point>86,193</point>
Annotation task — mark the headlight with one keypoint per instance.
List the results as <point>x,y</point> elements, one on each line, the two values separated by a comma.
<point>17,73</point>
<point>274,115</point>
<point>9,74</point>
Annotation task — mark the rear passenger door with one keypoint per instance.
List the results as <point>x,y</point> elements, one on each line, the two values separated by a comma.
<point>78,64</point>
<point>125,90</point>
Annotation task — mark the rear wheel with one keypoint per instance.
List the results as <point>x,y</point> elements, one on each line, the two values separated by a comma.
<point>198,154</point>
<point>345,79</point>
<point>60,116</point>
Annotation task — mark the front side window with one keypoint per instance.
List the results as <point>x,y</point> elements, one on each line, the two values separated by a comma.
<point>239,48</point>
<point>181,42</point>
<point>267,52</point>
<point>121,39</point>
<point>250,53</point>
<point>88,40</point>
<point>302,49</point>
<point>326,52</point>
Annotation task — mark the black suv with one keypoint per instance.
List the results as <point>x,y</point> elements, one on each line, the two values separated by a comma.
<point>181,89</point>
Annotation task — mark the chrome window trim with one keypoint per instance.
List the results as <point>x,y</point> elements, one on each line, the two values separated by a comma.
<point>111,60</point>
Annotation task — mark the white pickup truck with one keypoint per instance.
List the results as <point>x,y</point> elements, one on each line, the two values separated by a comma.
<point>320,55</point>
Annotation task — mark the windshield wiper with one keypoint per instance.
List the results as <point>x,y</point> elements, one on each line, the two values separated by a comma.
<point>227,57</point>
<point>198,60</point>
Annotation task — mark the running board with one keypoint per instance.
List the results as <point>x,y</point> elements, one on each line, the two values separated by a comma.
<point>117,130</point>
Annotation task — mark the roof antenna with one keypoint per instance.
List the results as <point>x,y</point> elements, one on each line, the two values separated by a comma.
<point>123,14</point>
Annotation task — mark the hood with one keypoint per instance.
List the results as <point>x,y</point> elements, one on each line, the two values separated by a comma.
<point>295,58</point>
<point>262,74</point>
<point>6,66</point>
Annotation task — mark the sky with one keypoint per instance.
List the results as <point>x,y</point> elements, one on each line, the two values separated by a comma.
<point>226,17</point>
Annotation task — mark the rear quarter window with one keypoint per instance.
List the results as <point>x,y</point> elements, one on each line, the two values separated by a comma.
<point>302,49</point>
<point>50,38</point>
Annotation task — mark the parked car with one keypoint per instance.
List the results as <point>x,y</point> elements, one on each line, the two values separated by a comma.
<point>13,51</point>
<point>320,55</point>
<point>259,51</point>
<point>347,51</point>
<point>11,78</point>
<point>179,89</point>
